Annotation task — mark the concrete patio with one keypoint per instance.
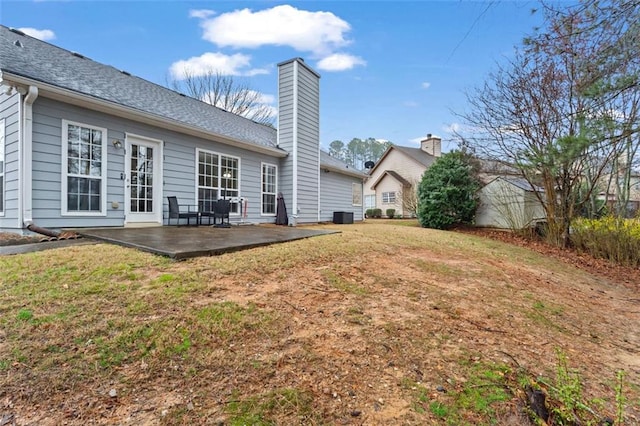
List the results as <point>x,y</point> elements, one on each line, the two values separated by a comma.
<point>182,242</point>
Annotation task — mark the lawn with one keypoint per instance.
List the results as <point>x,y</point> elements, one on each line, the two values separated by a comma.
<point>383,323</point>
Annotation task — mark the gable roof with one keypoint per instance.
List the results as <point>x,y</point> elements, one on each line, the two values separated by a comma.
<point>27,60</point>
<point>405,183</point>
<point>520,183</point>
<point>333,164</point>
<point>415,154</point>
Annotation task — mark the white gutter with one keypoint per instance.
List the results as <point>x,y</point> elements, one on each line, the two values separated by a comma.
<point>113,108</point>
<point>26,175</point>
<point>294,134</point>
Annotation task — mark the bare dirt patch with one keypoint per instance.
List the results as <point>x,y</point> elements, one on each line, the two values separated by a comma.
<point>380,324</point>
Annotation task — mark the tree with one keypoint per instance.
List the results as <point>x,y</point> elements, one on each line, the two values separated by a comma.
<point>546,112</point>
<point>447,192</point>
<point>336,149</point>
<point>408,197</point>
<point>225,92</point>
<point>358,151</point>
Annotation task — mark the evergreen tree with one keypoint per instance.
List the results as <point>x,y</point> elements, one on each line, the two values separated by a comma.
<point>447,192</point>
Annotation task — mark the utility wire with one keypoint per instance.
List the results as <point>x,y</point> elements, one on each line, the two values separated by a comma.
<point>491,3</point>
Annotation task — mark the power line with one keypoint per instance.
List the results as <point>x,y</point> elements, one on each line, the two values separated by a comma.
<point>491,3</point>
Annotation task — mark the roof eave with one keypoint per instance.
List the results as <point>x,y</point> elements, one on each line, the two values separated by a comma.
<point>75,98</point>
<point>353,173</point>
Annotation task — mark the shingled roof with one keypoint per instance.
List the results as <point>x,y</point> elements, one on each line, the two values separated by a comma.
<point>38,61</point>
<point>332,163</point>
<point>417,154</point>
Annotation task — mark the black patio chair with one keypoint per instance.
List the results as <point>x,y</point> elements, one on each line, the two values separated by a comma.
<point>207,209</point>
<point>176,211</point>
<point>221,210</point>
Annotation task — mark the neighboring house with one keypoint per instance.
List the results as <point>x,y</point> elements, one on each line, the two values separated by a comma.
<point>509,202</point>
<point>633,204</point>
<point>84,144</point>
<point>394,179</point>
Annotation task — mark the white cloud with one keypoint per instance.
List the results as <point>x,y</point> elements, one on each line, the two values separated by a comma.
<point>425,85</point>
<point>417,141</point>
<point>43,35</point>
<point>201,13</point>
<point>235,64</point>
<point>411,104</point>
<point>340,62</point>
<point>317,32</point>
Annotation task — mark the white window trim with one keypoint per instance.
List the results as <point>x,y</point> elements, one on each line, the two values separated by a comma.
<point>3,173</point>
<point>353,186</point>
<point>388,201</point>
<point>220,189</point>
<point>103,184</point>
<point>262,213</point>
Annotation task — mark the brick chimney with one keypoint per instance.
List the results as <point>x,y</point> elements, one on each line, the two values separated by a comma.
<point>432,145</point>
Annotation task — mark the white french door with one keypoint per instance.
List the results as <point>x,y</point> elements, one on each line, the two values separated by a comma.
<point>143,183</point>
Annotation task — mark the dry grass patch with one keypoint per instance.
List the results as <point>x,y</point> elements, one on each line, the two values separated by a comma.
<point>384,323</point>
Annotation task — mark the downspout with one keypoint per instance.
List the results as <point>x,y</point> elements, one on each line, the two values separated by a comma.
<point>26,175</point>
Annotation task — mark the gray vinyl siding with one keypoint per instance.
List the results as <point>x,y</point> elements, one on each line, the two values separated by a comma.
<point>336,196</point>
<point>285,132</point>
<point>10,113</point>
<point>306,125</point>
<point>179,165</point>
<point>308,145</point>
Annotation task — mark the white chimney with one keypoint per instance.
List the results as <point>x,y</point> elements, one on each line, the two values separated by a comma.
<point>432,145</point>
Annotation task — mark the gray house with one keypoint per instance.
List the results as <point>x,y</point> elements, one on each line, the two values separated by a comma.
<point>83,144</point>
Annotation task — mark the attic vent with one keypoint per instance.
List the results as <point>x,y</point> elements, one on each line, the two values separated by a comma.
<point>17,31</point>
<point>124,72</point>
<point>17,43</point>
<point>78,55</point>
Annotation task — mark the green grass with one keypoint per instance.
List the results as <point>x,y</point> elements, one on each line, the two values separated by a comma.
<point>225,332</point>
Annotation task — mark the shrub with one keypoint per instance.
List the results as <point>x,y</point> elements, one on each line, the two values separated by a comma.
<point>368,213</point>
<point>391,213</point>
<point>617,240</point>
<point>377,213</point>
<point>447,192</point>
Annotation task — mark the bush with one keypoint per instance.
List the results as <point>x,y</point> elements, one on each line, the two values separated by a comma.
<point>391,213</point>
<point>368,213</point>
<point>377,213</point>
<point>447,192</point>
<point>617,240</point>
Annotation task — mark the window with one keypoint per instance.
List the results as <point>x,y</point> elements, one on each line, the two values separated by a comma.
<point>218,177</point>
<point>84,180</point>
<point>388,198</point>
<point>370,201</point>
<point>356,194</point>
<point>269,189</point>
<point>1,167</point>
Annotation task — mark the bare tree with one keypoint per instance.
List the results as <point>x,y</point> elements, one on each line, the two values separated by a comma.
<point>225,92</point>
<point>545,112</point>
<point>408,197</point>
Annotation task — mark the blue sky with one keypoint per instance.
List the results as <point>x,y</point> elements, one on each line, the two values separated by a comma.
<point>390,70</point>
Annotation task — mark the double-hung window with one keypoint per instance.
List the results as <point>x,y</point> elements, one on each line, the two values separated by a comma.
<point>84,169</point>
<point>218,178</point>
<point>269,188</point>
<point>388,198</point>
<point>356,194</point>
<point>2,150</point>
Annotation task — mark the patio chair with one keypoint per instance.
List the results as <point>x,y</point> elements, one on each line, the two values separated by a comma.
<point>176,211</point>
<point>221,210</point>
<point>207,209</point>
